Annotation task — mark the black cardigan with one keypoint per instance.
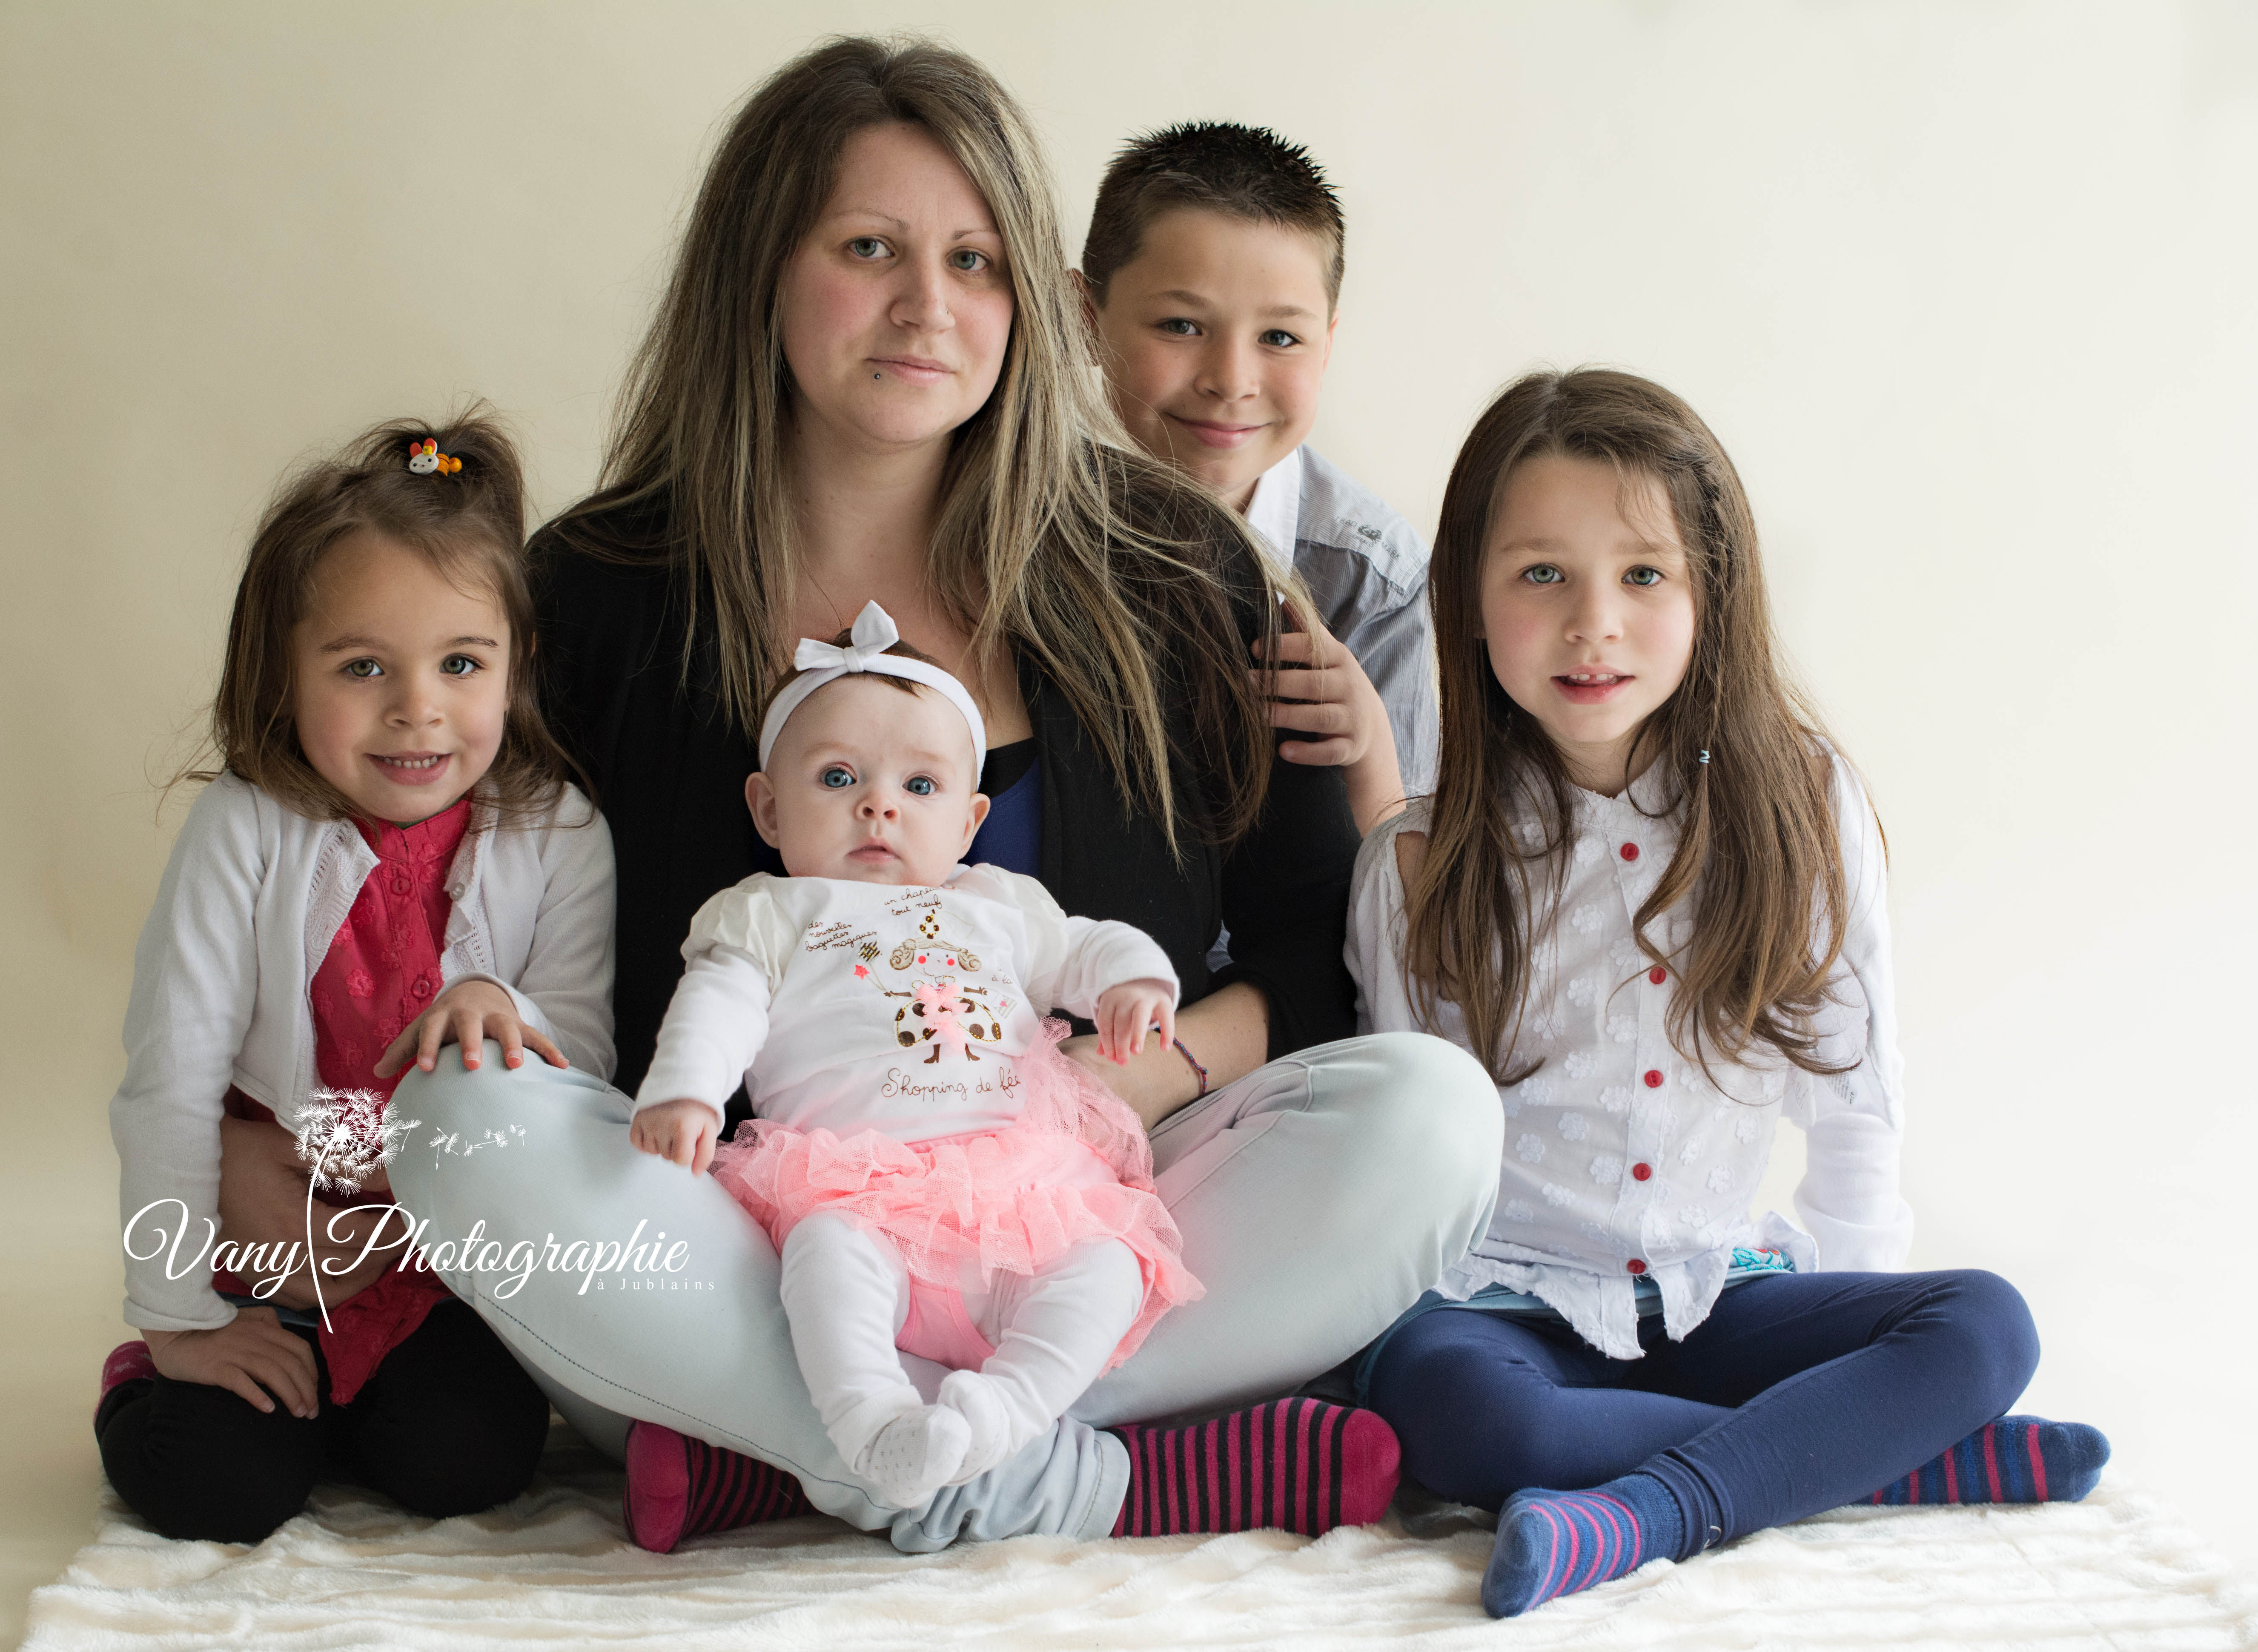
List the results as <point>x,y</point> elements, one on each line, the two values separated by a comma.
<point>669,771</point>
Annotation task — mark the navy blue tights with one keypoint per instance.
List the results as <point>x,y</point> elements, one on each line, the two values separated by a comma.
<point>1799,1392</point>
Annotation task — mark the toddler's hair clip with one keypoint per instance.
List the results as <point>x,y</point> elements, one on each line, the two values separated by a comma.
<point>1705,757</point>
<point>425,458</point>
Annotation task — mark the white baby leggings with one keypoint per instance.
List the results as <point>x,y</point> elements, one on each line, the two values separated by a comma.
<point>847,1295</point>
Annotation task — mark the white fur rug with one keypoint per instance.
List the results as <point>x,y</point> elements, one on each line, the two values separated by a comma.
<point>553,1569</point>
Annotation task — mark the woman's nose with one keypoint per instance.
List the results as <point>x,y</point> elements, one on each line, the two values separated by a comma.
<point>922,302</point>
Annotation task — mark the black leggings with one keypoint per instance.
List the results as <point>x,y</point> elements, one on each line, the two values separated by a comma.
<point>448,1424</point>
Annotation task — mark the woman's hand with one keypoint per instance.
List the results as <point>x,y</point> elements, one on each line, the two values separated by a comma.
<point>1332,699</point>
<point>1230,1029</point>
<point>683,1131</point>
<point>262,1201</point>
<point>252,1355</point>
<point>468,1014</point>
<point>1127,1011</point>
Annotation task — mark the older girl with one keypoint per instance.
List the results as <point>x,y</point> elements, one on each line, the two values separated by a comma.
<point>1647,895</point>
<point>870,380</point>
<point>388,857</point>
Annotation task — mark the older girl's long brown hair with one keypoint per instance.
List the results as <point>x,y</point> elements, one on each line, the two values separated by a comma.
<point>1054,537</point>
<point>1759,850</point>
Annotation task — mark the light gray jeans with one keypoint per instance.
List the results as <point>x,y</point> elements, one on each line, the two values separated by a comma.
<point>1318,1197</point>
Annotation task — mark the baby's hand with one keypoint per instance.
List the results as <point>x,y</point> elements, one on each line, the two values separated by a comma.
<point>683,1131</point>
<point>1126,1012</point>
<point>467,1015</point>
<point>252,1354</point>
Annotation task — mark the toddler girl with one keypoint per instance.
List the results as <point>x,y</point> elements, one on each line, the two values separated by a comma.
<point>388,858</point>
<point>936,1176</point>
<point>1648,895</point>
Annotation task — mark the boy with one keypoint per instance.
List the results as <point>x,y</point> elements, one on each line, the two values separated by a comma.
<point>1212,270</point>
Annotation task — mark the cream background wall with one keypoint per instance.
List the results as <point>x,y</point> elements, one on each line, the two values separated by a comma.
<point>1967,289</point>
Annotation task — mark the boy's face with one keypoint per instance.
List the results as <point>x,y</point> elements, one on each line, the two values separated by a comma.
<point>869,784</point>
<point>1216,338</point>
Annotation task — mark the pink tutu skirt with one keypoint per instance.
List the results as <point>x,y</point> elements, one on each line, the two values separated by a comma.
<point>1075,1169</point>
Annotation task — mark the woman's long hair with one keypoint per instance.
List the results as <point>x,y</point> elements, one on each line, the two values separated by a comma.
<point>1052,538</point>
<point>1759,849</point>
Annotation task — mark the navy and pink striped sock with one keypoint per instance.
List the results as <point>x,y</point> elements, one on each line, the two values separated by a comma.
<point>1553,1543</point>
<point>1297,1465</point>
<point>679,1487</point>
<point>2015,1460</point>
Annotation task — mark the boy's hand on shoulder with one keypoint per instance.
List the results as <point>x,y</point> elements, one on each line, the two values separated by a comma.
<point>683,1131</point>
<point>1127,1011</point>
<point>468,1014</point>
<point>1332,699</point>
<point>252,1355</point>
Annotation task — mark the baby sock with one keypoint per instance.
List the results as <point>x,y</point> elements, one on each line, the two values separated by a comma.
<point>128,1363</point>
<point>1553,1543</point>
<point>988,1423</point>
<point>1298,1464</point>
<point>678,1487</point>
<point>2015,1460</point>
<point>913,1455</point>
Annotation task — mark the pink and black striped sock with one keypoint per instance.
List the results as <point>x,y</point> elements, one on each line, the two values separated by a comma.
<point>679,1487</point>
<point>1554,1544</point>
<point>1297,1465</point>
<point>2015,1460</point>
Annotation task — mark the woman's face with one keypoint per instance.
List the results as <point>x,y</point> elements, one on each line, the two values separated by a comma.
<point>897,309</point>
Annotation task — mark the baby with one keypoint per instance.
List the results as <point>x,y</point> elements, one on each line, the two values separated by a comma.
<point>936,1176</point>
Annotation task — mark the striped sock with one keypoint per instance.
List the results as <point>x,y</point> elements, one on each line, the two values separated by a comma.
<point>1553,1543</point>
<point>2015,1460</point>
<point>1297,1465</point>
<point>678,1487</point>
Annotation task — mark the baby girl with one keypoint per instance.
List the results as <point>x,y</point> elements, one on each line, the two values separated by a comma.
<point>936,1176</point>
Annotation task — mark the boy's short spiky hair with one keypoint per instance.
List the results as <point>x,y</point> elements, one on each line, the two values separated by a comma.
<point>1244,172</point>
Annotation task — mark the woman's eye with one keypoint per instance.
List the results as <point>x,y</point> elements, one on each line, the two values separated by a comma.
<point>363,669</point>
<point>866,246</point>
<point>920,786</point>
<point>1543,573</point>
<point>835,777</point>
<point>1643,577</point>
<point>1279,338</point>
<point>969,259</point>
<point>1177,327</point>
<point>459,665</point>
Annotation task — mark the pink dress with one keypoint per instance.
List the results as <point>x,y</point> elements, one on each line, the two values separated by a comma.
<point>1074,1169</point>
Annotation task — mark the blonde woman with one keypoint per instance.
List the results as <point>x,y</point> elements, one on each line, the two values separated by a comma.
<point>870,380</point>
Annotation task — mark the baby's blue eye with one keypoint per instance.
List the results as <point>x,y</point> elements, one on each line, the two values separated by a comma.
<point>362,669</point>
<point>1643,577</point>
<point>1543,573</point>
<point>459,665</point>
<point>920,786</point>
<point>836,776</point>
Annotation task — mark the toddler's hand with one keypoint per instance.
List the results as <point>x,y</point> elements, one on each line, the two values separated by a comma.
<point>467,1015</point>
<point>250,1355</point>
<point>683,1131</point>
<point>1127,1011</point>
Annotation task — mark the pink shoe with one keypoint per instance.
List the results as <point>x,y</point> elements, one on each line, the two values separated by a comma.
<point>128,1362</point>
<point>678,1487</point>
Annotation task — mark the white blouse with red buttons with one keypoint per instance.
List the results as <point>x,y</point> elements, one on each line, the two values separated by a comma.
<point>1623,1160</point>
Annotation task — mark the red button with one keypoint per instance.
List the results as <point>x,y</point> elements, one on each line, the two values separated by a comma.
<point>1658,975</point>
<point>1631,851</point>
<point>1635,1265</point>
<point>1654,1078</point>
<point>1640,1172</point>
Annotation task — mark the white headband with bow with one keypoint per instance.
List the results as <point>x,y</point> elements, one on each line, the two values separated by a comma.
<point>874,633</point>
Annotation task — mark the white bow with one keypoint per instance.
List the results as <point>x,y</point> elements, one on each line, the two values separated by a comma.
<point>874,633</point>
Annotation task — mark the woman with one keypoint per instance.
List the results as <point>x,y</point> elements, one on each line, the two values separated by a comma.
<point>869,380</point>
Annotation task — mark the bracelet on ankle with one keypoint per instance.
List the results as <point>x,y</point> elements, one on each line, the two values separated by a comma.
<point>1194,1062</point>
